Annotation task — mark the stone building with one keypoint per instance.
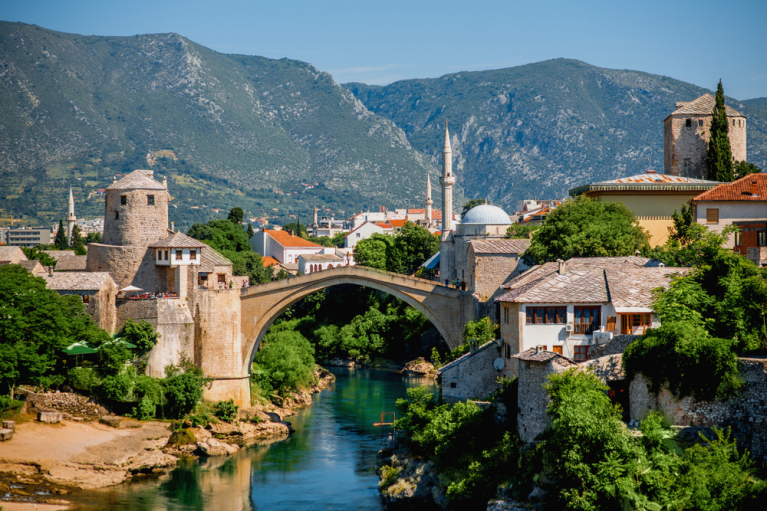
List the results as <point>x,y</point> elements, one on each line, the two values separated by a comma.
<point>686,133</point>
<point>135,216</point>
<point>471,376</point>
<point>96,289</point>
<point>490,263</point>
<point>742,203</point>
<point>11,255</point>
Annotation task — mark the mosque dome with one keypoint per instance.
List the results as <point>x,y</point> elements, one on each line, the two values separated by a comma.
<point>487,215</point>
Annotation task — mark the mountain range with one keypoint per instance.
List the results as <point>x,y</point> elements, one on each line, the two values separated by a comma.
<point>278,137</point>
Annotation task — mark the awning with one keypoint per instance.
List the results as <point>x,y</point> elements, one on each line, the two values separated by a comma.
<point>625,310</point>
<point>131,288</point>
<point>431,262</point>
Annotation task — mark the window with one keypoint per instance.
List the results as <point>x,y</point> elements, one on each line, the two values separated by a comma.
<point>452,384</point>
<point>192,255</point>
<point>123,200</point>
<point>688,123</point>
<point>738,239</point>
<point>179,254</point>
<point>546,315</point>
<point>150,200</point>
<point>700,122</point>
<point>557,349</point>
<point>761,238</point>
<point>117,215</point>
<point>712,216</point>
<point>580,353</point>
<point>587,319</point>
<point>166,255</point>
<point>506,315</point>
<point>635,323</point>
<point>222,278</point>
<point>508,350</point>
<point>358,235</point>
<point>86,299</point>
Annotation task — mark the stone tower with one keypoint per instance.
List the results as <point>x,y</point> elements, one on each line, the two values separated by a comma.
<point>447,180</point>
<point>135,216</point>
<point>447,242</point>
<point>136,212</point>
<point>428,202</point>
<point>71,218</point>
<point>686,133</point>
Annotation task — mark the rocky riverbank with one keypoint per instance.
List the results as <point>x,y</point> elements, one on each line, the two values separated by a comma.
<point>89,449</point>
<point>417,367</point>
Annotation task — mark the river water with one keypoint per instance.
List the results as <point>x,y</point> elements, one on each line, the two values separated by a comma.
<point>327,464</point>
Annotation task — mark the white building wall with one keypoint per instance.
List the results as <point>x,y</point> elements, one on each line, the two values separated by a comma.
<point>364,232</point>
<point>551,335</point>
<point>729,212</point>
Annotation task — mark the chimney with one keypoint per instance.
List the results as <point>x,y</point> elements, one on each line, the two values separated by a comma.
<point>50,271</point>
<point>753,189</point>
<point>637,253</point>
<point>383,209</point>
<point>173,226</point>
<point>539,348</point>
<point>473,346</point>
<point>165,182</point>
<point>562,267</point>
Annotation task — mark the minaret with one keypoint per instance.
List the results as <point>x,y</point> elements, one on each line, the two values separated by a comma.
<point>71,218</point>
<point>428,201</point>
<point>447,180</point>
<point>315,224</point>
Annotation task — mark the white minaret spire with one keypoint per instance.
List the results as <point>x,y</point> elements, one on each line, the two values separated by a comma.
<point>447,180</point>
<point>71,218</point>
<point>428,202</point>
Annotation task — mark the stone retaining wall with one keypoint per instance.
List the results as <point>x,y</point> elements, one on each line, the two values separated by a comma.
<point>70,404</point>
<point>746,414</point>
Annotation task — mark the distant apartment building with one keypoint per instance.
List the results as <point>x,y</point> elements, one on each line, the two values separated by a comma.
<point>28,236</point>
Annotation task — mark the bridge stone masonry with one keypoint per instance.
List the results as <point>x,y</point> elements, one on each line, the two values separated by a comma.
<point>448,309</point>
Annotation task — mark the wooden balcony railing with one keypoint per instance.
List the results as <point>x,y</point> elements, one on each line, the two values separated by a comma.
<point>584,328</point>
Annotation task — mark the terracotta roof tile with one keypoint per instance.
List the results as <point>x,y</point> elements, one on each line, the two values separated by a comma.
<point>398,223</point>
<point>137,180</point>
<point>269,261</point>
<point>288,240</point>
<point>752,187</point>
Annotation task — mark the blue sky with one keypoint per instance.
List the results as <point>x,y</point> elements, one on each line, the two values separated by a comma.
<point>380,42</point>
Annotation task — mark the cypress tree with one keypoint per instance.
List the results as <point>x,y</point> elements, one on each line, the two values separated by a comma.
<point>77,241</point>
<point>61,237</point>
<point>250,231</point>
<point>719,153</point>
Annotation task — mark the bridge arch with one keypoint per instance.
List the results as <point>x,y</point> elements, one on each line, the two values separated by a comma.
<point>263,304</point>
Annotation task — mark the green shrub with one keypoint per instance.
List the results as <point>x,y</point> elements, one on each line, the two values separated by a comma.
<point>284,363</point>
<point>183,390</point>
<point>389,475</point>
<point>226,410</point>
<point>145,410</point>
<point>9,407</point>
<point>140,334</point>
<point>83,378</point>
<point>114,356</point>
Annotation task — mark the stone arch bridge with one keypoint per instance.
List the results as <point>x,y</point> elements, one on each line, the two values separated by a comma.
<point>448,309</point>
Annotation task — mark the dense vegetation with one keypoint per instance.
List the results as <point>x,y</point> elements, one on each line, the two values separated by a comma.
<point>587,460</point>
<point>585,227</point>
<point>709,317</point>
<point>230,239</point>
<point>402,253</point>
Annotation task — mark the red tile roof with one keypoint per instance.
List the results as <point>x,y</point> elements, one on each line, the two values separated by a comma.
<point>397,223</point>
<point>752,187</point>
<point>269,261</point>
<point>288,240</point>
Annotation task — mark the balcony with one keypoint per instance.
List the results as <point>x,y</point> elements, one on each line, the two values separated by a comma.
<point>584,328</point>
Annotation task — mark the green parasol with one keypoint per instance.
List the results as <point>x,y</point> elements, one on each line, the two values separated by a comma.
<point>79,348</point>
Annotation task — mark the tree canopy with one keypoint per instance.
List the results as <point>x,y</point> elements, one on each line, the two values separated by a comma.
<point>297,229</point>
<point>236,215</point>
<point>744,168</point>
<point>472,204</point>
<point>719,153</point>
<point>585,227</point>
<point>36,323</point>
<point>521,232</point>
<point>60,241</point>
<point>402,253</point>
<point>77,241</point>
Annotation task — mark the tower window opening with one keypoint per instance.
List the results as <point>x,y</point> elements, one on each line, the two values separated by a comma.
<point>700,122</point>
<point>123,200</point>
<point>688,123</point>
<point>117,215</point>
<point>150,200</point>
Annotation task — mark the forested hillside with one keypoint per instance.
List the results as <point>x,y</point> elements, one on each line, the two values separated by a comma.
<point>227,129</point>
<point>537,130</point>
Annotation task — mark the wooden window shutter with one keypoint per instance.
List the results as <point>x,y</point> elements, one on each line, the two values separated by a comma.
<point>610,324</point>
<point>712,216</point>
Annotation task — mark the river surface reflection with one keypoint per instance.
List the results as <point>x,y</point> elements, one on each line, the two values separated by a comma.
<point>327,464</point>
